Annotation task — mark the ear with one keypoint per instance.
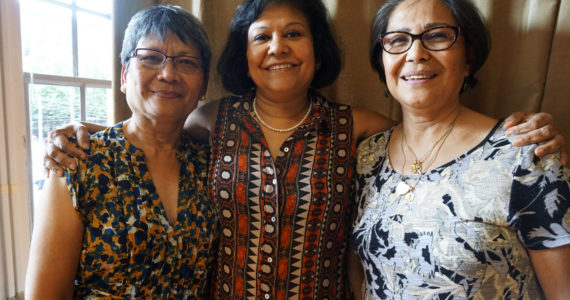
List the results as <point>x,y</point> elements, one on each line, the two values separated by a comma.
<point>124,78</point>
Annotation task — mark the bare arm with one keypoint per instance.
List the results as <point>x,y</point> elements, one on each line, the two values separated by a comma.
<point>202,120</point>
<point>59,149</point>
<point>56,244</point>
<point>552,269</point>
<point>536,128</point>
<point>355,275</point>
<point>367,123</point>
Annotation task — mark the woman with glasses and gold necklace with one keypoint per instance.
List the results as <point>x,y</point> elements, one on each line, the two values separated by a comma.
<point>448,207</point>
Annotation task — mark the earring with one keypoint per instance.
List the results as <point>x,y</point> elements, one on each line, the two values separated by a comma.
<point>386,93</point>
<point>317,66</point>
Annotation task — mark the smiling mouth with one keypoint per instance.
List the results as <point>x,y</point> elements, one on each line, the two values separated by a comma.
<point>280,67</point>
<point>166,94</point>
<point>418,77</point>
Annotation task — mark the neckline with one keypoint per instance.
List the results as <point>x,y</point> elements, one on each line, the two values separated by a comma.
<point>492,132</point>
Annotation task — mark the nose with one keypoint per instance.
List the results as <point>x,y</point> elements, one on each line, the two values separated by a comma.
<point>278,45</point>
<point>417,52</point>
<point>168,71</point>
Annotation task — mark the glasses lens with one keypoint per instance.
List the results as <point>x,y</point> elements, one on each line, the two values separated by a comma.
<point>439,38</point>
<point>150,58</point>
<point>187,64</point>
<point>396,42</point>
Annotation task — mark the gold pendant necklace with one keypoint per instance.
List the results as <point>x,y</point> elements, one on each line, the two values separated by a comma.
<point>417,166</point>
<point>407,190</point>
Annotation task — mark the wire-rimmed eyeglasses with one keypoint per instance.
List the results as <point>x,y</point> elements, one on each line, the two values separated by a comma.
<point>434,39</point>
<point>155,59</point>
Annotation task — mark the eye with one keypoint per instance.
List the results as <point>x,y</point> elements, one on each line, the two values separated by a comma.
<point>437,35</point>
<point>292,34</point>
<point>187,61</point>
<point>153,59</point>
<point>396,39</point>
<point>261,37</point>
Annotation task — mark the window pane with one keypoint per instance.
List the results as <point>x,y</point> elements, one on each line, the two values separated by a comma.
<point>50,107</point>
<point>46,38</point>
<point>94,46</point>
<point>96,105</point>
<point>101,6</point>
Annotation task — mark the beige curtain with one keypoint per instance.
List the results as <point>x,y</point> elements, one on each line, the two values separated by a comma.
<point>527,68</point>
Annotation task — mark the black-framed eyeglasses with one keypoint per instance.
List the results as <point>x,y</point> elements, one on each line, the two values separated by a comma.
<point>434,39</point>
<point>155,59</point>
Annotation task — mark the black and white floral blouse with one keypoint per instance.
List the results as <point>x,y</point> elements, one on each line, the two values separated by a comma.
<point>464,231</point>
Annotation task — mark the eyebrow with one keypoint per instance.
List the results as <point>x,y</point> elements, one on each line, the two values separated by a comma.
<point>286,25</point>
<point>426,26</point>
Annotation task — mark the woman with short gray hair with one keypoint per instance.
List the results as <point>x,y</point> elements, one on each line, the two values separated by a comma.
<point>134,220</point>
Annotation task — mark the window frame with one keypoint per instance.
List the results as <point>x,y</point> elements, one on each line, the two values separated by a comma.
<point>16,196</point>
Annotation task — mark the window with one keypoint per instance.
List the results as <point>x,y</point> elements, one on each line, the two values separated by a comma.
<point>66,53</point>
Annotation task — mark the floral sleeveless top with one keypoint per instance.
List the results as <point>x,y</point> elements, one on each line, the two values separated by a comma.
<point>130,250</point>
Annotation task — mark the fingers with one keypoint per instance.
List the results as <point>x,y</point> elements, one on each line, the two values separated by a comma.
<point>52,167</point>
<point>514,119</point>
<point>82,135</point>
<point>531,122</point>
<point>552,145</point>
<point>543,134</point>
<point>58,141</point>
<point>564,158</point>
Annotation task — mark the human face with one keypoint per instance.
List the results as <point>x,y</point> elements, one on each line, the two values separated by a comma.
<point>421,78</point>
<point>280,53</point>
<point>163,93</point>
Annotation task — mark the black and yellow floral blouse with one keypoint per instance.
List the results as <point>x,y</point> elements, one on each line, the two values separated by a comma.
<point>129,249</point>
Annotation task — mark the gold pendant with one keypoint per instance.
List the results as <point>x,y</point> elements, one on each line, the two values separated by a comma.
<point>416,166</point>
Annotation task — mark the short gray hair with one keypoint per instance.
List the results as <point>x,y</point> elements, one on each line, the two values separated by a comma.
<point>161,20</point>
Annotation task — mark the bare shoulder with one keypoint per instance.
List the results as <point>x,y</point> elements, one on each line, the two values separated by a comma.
<point>202,120</point>
<point>367,123</point>
<point>478,122</point>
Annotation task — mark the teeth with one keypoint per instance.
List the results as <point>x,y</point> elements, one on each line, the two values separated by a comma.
<point>282,66</point>
<point>417,77</point>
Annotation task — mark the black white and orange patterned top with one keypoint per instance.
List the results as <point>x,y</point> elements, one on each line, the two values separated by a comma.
<point>130,250</point>
<point>284,221</point>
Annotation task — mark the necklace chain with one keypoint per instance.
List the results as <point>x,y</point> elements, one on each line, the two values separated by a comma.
<point>281,129</point>
<point>417,165</point>
<point>407,190</point>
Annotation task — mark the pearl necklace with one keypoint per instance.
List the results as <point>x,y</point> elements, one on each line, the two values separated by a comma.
<point>281,129</point>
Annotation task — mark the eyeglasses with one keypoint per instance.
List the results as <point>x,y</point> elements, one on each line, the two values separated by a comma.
<point>154,59</point>
<point>434,39</point>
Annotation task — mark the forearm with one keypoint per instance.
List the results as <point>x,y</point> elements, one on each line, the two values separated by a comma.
<point>355,275</point>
